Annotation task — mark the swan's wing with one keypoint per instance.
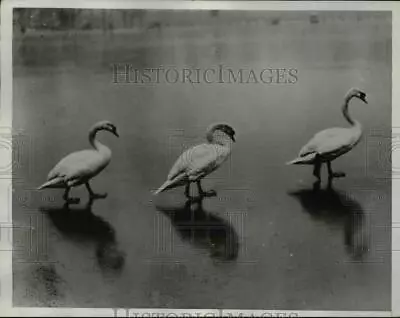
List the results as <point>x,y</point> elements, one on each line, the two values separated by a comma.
<point>328,141</point>
<point>196,162</point>
<point>77,165</point>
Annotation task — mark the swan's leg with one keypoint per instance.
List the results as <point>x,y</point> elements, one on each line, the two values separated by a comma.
<point>187,190</point>
<point>202,193</point>
<point>330,172</point>
<point>94,195</point>
<point>66,194</point>
<point>329,185</point>
<point>334,174</point>
<point>199,188</point>
<point>67,198</point>
<point>317,170</point>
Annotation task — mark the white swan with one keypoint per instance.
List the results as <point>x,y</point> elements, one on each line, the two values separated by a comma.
<point>199,161</point>
<point>331,143</point>
<point>79,167</point>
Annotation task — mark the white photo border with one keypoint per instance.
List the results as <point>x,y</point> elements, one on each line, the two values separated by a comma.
<point>6,287</point>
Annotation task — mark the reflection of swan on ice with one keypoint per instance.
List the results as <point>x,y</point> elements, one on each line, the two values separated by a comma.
<point>202,228</point>
<point>79,167</point>
<point>81,224</point>
<point>332,207</point>
<point>199,161</point>
<point>331,143</point>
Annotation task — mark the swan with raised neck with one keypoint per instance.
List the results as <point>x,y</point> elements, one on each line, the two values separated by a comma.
<point>79,167</point>
<point>329,144</point>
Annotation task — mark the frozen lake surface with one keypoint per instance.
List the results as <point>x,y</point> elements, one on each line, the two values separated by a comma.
<point>268,240</point>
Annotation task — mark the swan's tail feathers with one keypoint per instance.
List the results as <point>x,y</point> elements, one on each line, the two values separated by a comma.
<point>294,162</point>
<point>307,159</point>
<point>53,183</point>
<point>164,187</point>
<point>169,184</point>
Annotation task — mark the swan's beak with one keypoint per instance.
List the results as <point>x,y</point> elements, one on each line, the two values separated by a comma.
<point>233,138</point>
<point>363,97</point>
<point>115,133</point>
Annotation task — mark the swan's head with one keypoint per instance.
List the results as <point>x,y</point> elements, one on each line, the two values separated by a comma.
<point>108,126</point>
<point>220,127</point>
<point>355,92</point>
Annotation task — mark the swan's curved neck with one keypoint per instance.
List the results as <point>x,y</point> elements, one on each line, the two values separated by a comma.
<point>345,110</point>
<point>93,141</point>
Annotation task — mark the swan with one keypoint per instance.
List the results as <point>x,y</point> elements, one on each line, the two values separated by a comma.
<point>79,167</point>
<point>201,160</point>
<point>331,143</point>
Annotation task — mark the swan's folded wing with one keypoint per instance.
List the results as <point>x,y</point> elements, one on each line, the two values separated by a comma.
<point>328,141</point>
<point>195,162</point>
<point>54,173</point>
<point>310,147</point>
<point>74,166</point>
<point>336,144</point>
<point>178,167</point>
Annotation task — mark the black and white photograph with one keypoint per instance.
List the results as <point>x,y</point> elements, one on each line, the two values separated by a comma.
<point>202,159</point>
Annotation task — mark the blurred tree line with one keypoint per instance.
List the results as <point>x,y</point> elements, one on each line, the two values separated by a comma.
<point>78,19</point>
<point>109,19</point>
<point>105,19</point>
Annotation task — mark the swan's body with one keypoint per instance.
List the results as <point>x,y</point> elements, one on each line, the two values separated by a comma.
<point>329,144</point>
<point>79,167</point>
<point>201,160</point>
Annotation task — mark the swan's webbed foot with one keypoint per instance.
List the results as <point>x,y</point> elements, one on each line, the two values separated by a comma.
<point>93,195</point>
<point>338,175</point>
<point>209,193</point>
<point>69,200</point>
<point>98,195</point>
<point>72,200</point>
<point>202,193</point>
<point>334,174</point>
